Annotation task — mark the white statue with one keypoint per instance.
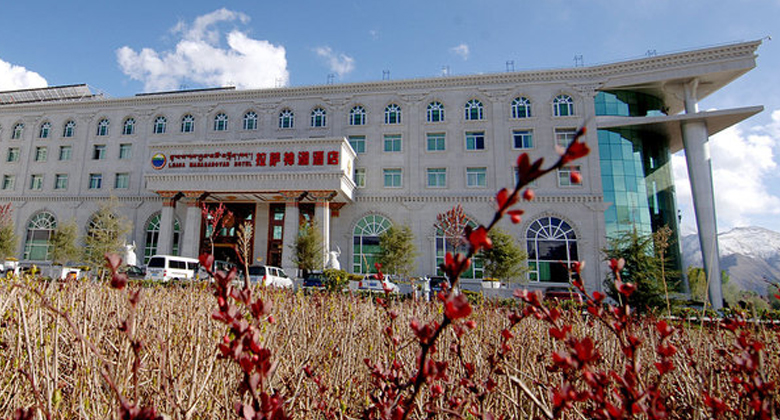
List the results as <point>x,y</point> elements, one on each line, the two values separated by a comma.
<point>333,259</point>
<point>130,258</point>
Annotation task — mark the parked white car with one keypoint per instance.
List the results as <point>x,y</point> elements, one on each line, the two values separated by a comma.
<point>372,283</point>
<point>165,268</point>
<point>273,276</point>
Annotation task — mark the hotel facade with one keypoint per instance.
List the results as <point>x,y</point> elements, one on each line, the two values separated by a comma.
<point>359,158</point>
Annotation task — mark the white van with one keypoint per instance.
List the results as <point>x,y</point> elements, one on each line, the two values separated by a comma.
<point>165,268</point>
<point>274,276</point>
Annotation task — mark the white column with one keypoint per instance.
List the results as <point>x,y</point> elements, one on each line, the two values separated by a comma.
<point>291,224</point>
<point>322,216</point>
<point>165,238</point>
<point>697,156</point>
<point>192,224</point>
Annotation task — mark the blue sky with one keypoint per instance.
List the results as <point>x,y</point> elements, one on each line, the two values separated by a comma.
<point>130,47</point>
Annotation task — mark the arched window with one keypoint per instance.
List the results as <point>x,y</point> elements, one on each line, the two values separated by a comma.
<point>434,112</point>
<point>153,234</point>
<point>102,127</point>
<point>128,127</point>
<point>187,124</point>
<point>159,125</point>
<point>68,129</point>
<point>45,129</point>
<point>552,247</point>
<point>563,106</point>
<point>40,230</point>
<point>318,117</point>
<point>474,110</point>
<point>365,242</point>
<point>221,122</point>
<point>393,114</point>
<point>250,121</point>
<point>18,130</point>
<point>521,108</point>
<point>357,116</point>
<point>286,119</point>
<point>448,240</point>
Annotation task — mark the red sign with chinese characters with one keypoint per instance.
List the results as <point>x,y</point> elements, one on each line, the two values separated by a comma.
<point>250,159</point>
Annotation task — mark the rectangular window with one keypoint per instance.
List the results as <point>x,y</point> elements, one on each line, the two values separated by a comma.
<point>392,143</point>
<point>564,136</point>
<point>569,176</point>
<point>516,178</point>
<point>61,182</point>
<point>522,139</point>
<point>36,182</point>
<point>358,143</point>
<point>66,152</point>
<point>8,182</point>
<point>475,140</point>
<point>13,154</point>
<point>122,181</point>
<point>392,178</point>
<point>437,177</point>
<point>40,154</point>
<point>476,177</point>
<point>99,152</point>
<point>125,151</point>
<point>360,177</point>
<point>435,142</point>
<point>95,181</point>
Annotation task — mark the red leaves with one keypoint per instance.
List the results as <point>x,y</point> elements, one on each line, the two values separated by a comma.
<point>529,194</point>
<point>663,329</point>
<point>625,289</point>
<point>526,171</point>
<point>457,307</point>
<point>424,333</point>
<point>616,265</point>
<point>478,239</point>
<point>454,265</point>
<point>576,148</point>
<point>560,333</point>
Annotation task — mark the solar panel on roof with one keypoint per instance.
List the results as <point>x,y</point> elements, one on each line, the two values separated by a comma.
<point>56,93</point>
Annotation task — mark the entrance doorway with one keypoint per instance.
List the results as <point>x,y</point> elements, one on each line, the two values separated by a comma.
<point>227,246</point>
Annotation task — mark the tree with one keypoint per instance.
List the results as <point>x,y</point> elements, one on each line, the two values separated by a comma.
<point>65,249</point>
<point>105,234</point>
<point>308,248</point>
<point>774,296</point>
<point>505,260</point>
<point>643,268</point>
<point>8,238</point>
<point>397,252</point>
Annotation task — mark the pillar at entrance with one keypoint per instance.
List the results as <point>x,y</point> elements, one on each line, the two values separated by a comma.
<point>192,227</point>
<point>165,238</point>
<point>697,157</point>
<point>290,231</point>
<point>322,216</point>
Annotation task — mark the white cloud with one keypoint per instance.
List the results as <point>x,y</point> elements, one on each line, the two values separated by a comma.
<point>743,167</point>
<point>340,64</point>
<point>14,77</point>
<point>462,50</point>
<point>199,58</point>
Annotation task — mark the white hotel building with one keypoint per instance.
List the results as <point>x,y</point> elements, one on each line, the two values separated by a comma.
<point>361,157</point>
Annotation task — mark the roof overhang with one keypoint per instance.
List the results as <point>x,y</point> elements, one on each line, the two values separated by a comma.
<point>671,126</point>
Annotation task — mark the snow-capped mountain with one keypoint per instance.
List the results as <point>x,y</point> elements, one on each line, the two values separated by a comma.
<point>750,255</point>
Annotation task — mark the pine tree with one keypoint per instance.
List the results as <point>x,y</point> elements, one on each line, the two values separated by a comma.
<point>307,251</point>
<point>65,249</point>
<point>8,238</point>
<point>397,251</point>
<point>505,260</point>
<point>643,268</point>
<point>106,234</point>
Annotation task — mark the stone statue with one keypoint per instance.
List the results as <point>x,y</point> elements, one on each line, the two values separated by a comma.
<point>130,258</point>
<point>333,259</point>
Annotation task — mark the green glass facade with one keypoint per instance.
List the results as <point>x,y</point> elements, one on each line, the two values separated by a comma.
<point>636,169</point>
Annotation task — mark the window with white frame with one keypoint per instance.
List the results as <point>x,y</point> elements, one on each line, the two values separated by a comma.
<point>68,129</point>
<point>13,154</point>
<point>437,177</point>
<point>318,117</point>
<point>434,112</point>
<point>61,182</point>
<point>358,143</point>
<point>551,248</point>
<point>250,121</point>
<point>392,143</point>
<point>357,116</point>
<point>41,153</point>
<point>43,133</point>
<point>160,124</point>
<point>16,134</point>
<point>102,127</point>
<point>38,240</point>
<point>221,122</point>
<point>563,106</point>
<point>521,108</point>
<point>393,114</point>
<point>66,152</point>
<point>360,177</point>
<point>99,152</point>
<point>365,242</point>
<point>564,136</point>
<point>122,181</point>
<point>153,233</point>
<point>476,177</point>
<point>36,182</point>
<point>9,181</point>
<point>435,142</point>
<point>286,119</point>
<point>187,124</point>
<point>475,140</point>
<point>95,181</point>
<point>128,127</point>
<point>522,139</point>
<point>392,178</point>
<point>569,176</point>
<point>125,151</point>
<point>474,110</point>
